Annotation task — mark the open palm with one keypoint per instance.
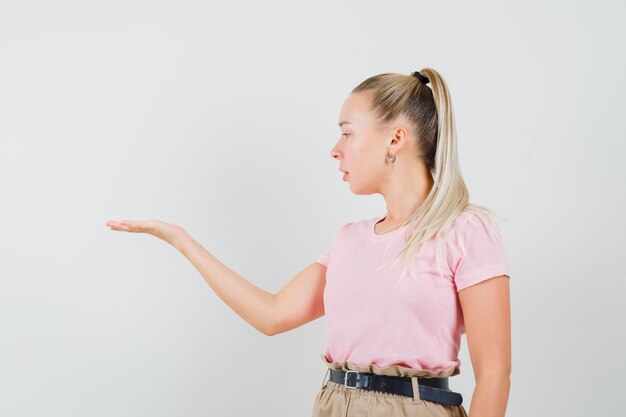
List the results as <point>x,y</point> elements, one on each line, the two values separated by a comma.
<point>165,231</point>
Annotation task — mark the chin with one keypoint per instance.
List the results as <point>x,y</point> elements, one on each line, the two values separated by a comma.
<point>361,191</point>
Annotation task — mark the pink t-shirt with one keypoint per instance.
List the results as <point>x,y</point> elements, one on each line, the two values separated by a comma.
<point>415,322</point>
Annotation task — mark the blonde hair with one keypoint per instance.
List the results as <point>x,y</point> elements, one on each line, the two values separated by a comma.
<point>429,111</point>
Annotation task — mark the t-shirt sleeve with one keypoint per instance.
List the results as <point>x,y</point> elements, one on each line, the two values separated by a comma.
<point>325,258</point>
<point>484,255</point>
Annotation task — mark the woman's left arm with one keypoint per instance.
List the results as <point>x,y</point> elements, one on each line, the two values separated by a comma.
<point>487,316</point>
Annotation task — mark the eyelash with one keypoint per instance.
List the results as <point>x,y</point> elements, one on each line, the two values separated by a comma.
<point>344,134</point>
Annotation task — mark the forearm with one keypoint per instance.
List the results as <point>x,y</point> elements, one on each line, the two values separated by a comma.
<point>490,396</point>
<point>253,304</point>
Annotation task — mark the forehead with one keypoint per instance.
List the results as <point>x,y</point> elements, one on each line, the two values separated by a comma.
<point>356,109</point>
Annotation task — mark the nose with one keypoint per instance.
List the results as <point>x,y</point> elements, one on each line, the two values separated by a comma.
<point>334,153</point>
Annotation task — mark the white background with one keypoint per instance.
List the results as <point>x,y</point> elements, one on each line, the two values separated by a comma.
<point>220,117</point>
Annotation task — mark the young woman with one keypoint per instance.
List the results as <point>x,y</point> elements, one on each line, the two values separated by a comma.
<point>394,327</point>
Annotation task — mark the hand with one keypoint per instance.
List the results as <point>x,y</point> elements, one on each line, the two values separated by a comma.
<point>165,231</point>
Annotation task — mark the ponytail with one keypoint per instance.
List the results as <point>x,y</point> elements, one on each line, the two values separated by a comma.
<point>428,107</point>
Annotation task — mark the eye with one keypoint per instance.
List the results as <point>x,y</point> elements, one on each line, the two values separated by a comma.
<point>344,134</point>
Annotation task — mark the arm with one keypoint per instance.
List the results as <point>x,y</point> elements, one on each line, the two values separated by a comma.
<point>253,304</point>
<point>486,312</point>
<point>299,302</point>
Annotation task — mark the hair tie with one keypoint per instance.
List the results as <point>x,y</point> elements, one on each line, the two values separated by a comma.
<point>421,77</point>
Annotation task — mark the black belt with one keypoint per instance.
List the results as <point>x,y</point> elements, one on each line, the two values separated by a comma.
<point>430,389</point>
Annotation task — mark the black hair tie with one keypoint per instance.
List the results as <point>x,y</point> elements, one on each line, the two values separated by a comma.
<point>421,77</point>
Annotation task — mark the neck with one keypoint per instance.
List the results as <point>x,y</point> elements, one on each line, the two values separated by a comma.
<point>405,191</point>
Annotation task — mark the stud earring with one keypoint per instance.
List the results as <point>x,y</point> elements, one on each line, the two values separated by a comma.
<point>392,158</point>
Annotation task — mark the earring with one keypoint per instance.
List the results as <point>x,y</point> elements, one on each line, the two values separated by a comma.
<point>392,158</point>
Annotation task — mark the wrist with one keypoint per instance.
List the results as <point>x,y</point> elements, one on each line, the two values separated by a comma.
<point>179,239</point>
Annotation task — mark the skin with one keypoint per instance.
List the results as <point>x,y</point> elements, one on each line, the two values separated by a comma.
<point>362,150</point>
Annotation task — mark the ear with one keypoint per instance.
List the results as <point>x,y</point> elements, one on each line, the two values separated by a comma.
<point>399,138</point>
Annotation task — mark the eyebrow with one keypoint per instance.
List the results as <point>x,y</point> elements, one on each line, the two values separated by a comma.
<point>344,122</point>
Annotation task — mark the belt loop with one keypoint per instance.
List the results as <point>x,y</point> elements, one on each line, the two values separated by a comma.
<point>324,380</point>
<point>416,391</point>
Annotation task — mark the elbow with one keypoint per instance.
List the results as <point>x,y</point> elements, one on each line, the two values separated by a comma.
<point>271,331</point>
<point>268,329</point>
<point>271,328</point>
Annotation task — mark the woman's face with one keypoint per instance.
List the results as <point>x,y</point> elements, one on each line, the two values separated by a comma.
<point>361,148</point>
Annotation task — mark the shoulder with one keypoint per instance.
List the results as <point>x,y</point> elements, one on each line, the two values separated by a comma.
<point>469,216</point>
<point>360,224</point>
<point>343,230</point>
<point>356,229</point>
<point>472,221</point>
<point>472,227</point>
<point>482,254</point>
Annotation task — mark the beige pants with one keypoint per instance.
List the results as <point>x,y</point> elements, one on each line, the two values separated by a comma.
<point>337,400</point>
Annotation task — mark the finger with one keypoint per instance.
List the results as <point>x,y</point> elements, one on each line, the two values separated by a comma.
<point>126,225</point>
<point>115,223</point>
<point>139,226</point>
<point>130,226</point>
<point>118,226</point>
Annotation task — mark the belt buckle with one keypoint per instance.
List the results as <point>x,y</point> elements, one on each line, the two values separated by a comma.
<point>345,379</point>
